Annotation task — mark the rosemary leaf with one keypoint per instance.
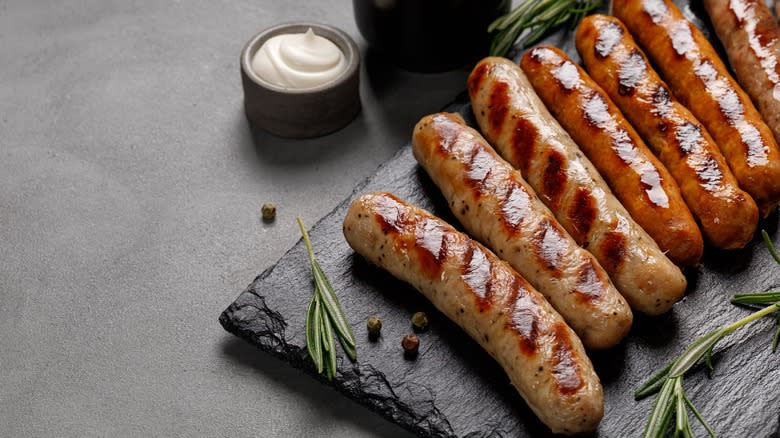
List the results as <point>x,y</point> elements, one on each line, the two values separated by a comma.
<point>329,344</point>
<point>662,407</point>
<point>654,384</point>
<point>332,305</point>
<point>698,416</point>
<point>682,425</point>
<point>776,340</point>
<point>349,349</point>
<point>769,297</point>
<point>695,351</point>
<point>770,246</point>
<point>313,339</point>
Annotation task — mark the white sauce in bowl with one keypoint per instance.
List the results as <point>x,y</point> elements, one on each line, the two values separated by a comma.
<point>299,61</point>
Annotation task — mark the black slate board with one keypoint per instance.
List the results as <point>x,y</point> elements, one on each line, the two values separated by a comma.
<point>453,388</point>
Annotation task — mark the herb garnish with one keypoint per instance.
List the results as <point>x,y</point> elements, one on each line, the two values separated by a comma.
<point>539,17</point>
<point>322,317</point>
<point>668,382</point>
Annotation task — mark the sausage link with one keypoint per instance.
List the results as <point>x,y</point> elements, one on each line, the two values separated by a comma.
<point>751,37</point>
<point>701,81</point>
<point>498,308</point>
<point>727,214</point>
<point>516,122</point>
<point>636,177</point>
<point>496,206</point>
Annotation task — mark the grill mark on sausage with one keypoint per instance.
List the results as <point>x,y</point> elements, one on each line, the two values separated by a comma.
<point>582,214</point>
<point>523,143</point>
<point>476,78</point>
<point>430,245</point>
<point>391,215</point>
<point>447,133</point>
<point>608,37</point>
<point>515,206</point>
<point>478,166</point>
<point>590,282</point>
<point>630,72</point>
<point>566,370</point>
<point>554,177</point>
<point>662,102</point>
<point>498,103</point>
<point>613,250</point>
<point>733,111</point>
<point>523,316</point>
<point>549,246</point>
<point>477,273</point>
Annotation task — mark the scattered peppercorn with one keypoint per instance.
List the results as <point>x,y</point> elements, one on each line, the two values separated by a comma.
<point>374,326</point>
<point>420,321</point>
<point>411,344</point>
<point>269,212</point>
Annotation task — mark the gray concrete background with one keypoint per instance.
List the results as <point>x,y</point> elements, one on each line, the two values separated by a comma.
<point>130,190</point>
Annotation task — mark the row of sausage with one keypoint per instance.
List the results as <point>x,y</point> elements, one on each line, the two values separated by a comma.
<point>605,183</point>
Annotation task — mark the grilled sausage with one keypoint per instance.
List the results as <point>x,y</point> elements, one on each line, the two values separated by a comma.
<point>636,177</point>
<point>516,122</point>
<point>498,308</point>
<point>701,81</point>
<point>727,215</point>
<point>495,205</point>
<point>751,37</point>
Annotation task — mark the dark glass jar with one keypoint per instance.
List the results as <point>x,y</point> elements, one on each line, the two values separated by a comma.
<point>429,35</point>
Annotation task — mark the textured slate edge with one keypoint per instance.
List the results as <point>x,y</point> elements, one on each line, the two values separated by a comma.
<point>265,328</point>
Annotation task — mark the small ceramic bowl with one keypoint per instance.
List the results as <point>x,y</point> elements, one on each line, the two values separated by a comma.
<point>310,112</point>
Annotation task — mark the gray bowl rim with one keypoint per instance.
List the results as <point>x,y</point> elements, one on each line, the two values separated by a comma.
<point>253,45</point>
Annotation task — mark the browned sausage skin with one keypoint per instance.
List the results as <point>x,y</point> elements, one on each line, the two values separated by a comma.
<point>517,123</point>
<point>727,214</point>
<point>751,37</point>
<point>496,206</point>
<point>497,307</point>
<point>701,81</point>
<point>636,177</point>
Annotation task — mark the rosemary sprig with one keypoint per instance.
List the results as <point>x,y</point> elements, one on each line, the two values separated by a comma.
<point>668,382</point>
<point>324,317</point>
<point>759,298</point>
<point>538,17</point>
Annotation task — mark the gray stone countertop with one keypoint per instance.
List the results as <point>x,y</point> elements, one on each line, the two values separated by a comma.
<point>130,194</point>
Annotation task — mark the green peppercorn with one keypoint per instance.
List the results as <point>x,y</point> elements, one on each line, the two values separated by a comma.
<point>269,212</point>
<point>374,326</point>
<point>411,344</point>
<point>420,321</point>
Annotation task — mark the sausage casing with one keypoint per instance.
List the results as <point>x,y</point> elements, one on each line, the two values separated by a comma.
<point>517,123</point>
<point>496,206</point>
<point>497,307</point>
<point>728,216</point>
<point>700,80</point>
<point>751,37</point>
<point>636,177</point>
